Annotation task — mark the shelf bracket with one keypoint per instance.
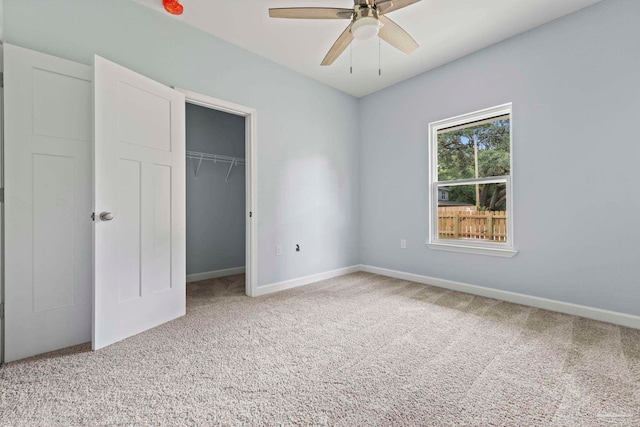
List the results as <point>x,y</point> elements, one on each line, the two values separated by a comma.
<point>234,161</point>
<point>198,167</point>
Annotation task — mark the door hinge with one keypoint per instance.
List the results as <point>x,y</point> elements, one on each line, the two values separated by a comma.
<point>1,195</point>
<point>2,311</point>
<point>1,79</point>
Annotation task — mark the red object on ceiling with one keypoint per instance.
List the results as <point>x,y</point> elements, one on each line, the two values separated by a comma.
<point>173,7</point>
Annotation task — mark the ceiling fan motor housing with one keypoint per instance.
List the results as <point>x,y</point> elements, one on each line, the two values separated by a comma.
<point>365,23</point>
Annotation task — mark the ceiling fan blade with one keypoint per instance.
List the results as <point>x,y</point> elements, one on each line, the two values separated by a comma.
<point>339,46</point>
<point>393,34</point>
<point>386,6</point>
<point>311,13</point>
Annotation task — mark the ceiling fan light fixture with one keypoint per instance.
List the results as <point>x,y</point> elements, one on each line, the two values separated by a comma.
<point>365,28</point>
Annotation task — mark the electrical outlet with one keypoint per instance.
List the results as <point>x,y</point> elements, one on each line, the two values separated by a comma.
<point>278,250</point>
<point>403,244</point>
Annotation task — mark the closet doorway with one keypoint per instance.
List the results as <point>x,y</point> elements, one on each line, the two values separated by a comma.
<point>220,189</point>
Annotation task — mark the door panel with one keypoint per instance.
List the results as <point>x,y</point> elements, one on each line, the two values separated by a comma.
<point>56,198</point>
<point>73,122</point>
<point>140,178</point>
<point>48,143</point>
<point>129,230</point>
<point>161,243</point>
<point>151,129</point>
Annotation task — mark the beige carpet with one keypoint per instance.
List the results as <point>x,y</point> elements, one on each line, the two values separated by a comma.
<point>359,350</point>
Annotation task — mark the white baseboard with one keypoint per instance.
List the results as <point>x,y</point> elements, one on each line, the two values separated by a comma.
<point>614,317</point>
<point>213,274</point>
<point>301,281</point>
<point>617,318</point>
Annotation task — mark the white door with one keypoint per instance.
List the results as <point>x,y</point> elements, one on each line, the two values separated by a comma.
<point>139,166</point>
<point>48,143</point>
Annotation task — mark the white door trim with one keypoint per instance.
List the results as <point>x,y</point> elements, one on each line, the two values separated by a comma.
<point>251,174</point>
<point>2,208</point>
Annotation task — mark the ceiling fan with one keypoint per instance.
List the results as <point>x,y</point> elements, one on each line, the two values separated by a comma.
<point>367,20</point>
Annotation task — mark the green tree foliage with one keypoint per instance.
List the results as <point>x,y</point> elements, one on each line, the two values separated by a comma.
<point>456,160</point>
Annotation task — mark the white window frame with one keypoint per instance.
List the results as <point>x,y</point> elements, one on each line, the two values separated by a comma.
<point>505,249</point>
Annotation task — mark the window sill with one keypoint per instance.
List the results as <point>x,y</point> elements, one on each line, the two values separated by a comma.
<point>479,250</point>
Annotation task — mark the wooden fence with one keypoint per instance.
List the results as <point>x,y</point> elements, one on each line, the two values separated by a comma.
<point>450,209</point>
<point>489,225</point>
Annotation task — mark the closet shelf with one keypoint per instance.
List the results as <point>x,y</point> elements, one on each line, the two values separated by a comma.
<point>216,158</point>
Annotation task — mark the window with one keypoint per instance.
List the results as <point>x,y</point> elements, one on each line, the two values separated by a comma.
<point>470,183</point>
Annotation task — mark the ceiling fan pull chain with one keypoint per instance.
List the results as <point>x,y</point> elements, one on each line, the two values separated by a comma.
<point>379,62</point>
<point>351,59</point>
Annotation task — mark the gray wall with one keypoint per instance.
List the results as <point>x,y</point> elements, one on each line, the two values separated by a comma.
<point>215,208</point>
<point>340,190</point>
<point>575,88</point>
<point>1,19</point>
<point>307,142</point>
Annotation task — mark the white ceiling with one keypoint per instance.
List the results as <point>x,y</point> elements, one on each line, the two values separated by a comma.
<point>445,29</point>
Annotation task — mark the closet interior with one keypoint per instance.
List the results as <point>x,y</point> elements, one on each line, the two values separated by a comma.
<point>215,156</point>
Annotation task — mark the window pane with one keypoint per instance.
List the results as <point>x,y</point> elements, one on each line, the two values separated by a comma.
<point>476,150</point>
<point>473,212</point>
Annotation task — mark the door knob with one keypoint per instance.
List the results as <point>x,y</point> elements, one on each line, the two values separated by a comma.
<point>106,216</point>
